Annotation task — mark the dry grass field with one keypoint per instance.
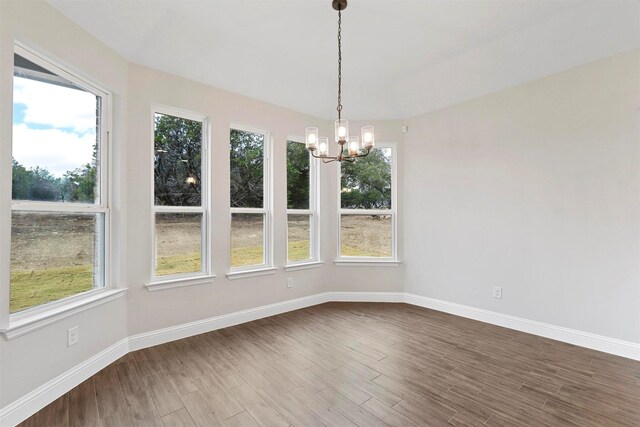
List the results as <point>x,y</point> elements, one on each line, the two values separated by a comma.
<point>52,255</point>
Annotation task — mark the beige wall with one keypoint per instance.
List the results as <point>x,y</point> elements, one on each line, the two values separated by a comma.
<point>149,311</point>
<point>535,189</point>
<point>29,361</point>
<point>32,360</point>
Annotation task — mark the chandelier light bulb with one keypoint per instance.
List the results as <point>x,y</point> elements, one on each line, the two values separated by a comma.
<point>323,146</point>
<point>354,146</point>
<point>311,138</point>
<point>342,130</point>
<point>368,137</point>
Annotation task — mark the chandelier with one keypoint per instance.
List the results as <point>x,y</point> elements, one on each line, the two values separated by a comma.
<point>354,148</point>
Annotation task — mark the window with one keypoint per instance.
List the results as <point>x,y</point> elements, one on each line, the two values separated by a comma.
<point>180,195</point>
<point>60,215</point>
<point>302,218</point>
<point>250,199</point>
<point>367,206</point>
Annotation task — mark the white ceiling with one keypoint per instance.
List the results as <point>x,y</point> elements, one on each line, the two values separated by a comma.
<point>401,58</point>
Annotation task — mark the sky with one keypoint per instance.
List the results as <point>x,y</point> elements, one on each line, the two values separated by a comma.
<point>53,126</point>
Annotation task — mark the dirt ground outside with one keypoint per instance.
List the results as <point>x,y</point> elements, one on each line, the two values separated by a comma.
<point>52,255</point>
<point>366,235</point>
<point>42,241</point>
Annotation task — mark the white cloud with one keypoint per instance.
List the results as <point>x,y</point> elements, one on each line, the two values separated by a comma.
<point>56,150</point>
<point>57,106</point>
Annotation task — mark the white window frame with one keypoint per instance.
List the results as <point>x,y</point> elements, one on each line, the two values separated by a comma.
<point>266,210</point>
<point>205,275</point>
<point>352,260</point>
<point>312,212</point>
<point>48,311</point>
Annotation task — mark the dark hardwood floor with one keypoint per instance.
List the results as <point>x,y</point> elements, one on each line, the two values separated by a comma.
<point>364,364</point>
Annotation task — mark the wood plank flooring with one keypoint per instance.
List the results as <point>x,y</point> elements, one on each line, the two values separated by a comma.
<point>357,364</point>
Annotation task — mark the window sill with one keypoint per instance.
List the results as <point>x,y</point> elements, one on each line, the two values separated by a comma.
<point>233,275</point>
<point>366,263</point>
<point>180,282</point>
<point>39,320</point>
<point>303,266</point>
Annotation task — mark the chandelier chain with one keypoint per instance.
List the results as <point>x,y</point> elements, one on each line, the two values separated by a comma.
<point>349,147</point>
<point>339,64</point>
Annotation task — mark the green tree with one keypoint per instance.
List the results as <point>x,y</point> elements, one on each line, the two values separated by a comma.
<point>34,184</point>
<point>366,183</point>
<point>21,182</point>
<point>79,185</point>
<point>45,187</point>
<point>246,169</point>
<point>177,160</point>
<point>297,176</point>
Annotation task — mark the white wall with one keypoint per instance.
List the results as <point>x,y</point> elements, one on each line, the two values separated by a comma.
<point>535,189</point>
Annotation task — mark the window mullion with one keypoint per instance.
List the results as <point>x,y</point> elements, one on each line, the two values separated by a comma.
<point>366,211</point>
<point>57,207</point>
<point>249,210</point>
<point>299,212</point>
<point>179,209</point>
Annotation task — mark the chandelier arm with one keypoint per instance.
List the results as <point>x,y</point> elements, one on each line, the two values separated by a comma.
<point>366,153</point>
<point>322,157</point>
<point>356,156</point>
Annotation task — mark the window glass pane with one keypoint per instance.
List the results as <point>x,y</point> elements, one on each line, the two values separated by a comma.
<point>299,237</point>
<point>247,169</point>
<point>298,163</point>
<point>247,239</point>
<point>365,235</point>
<point>55,137</point>
<point>53,256</point>
<point>177,161</point>
<point>178,243</point>
<point>366,183</point>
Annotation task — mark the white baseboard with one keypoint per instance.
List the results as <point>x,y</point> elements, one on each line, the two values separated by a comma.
<point>149,339</point>
<point>583,339</point>
<point>32,402</point>
<point>366,296</point>
<point>29,404</point>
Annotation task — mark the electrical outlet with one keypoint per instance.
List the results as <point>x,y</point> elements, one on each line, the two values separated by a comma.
<point>72,336</point>
<point>290,282</point>
<point>497,292</point>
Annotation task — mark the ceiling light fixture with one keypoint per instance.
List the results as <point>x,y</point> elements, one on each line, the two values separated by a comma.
<point>353,149</point>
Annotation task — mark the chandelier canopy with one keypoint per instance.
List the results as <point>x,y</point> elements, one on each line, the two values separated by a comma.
<point>354,146</point>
